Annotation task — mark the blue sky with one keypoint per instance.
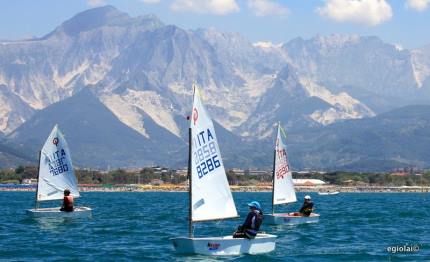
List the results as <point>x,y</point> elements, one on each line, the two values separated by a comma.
<point>402,22</point>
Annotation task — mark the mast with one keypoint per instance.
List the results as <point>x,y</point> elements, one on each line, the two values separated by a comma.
<point>190,215</point>
<point>273,173</point>
<point>38,173</point>
<point>273,181</point>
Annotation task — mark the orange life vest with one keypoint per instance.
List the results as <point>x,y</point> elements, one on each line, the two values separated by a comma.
<point>68,201</point>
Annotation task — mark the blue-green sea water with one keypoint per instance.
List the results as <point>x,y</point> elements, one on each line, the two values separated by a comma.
<point>137,226</point>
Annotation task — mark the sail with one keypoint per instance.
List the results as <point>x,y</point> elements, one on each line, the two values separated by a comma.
<point>283,187</point>
<point>55,169</point>
<point>211,197</point>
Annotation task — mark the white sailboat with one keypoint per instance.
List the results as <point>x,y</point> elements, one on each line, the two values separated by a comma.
<point>283,188</point>
<point>55,175</point>
<point>210,197</point>
<point>328,193</point>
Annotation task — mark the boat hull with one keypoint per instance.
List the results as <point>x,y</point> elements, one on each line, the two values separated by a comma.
<point>327,193</point>
<point>225,246</point>
<point>289,219</point>
<point>55,212</point>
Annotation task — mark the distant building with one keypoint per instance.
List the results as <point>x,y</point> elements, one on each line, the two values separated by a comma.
<point>401,173</point>
<point>258,172</point>
<point>157,182</point>
<point>308,172</point>
<point>29,181</point>
<point>238,171</point>
<point>308,182</point>
<point>182,172</point>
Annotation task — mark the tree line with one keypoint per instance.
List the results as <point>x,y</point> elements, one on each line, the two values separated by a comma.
<point>148,175</point>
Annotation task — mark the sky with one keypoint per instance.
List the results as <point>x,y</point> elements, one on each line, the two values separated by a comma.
<point>402,22</point>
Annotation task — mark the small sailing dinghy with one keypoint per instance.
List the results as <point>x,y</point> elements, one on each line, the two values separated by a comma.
<point>210,197</point>
<point>328,193</point>
<point>55,175</point>
<point>283,188</point>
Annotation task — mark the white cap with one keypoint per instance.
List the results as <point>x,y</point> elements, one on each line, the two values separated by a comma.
<point>308,197</point>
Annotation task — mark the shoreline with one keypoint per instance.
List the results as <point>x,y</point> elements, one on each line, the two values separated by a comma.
<point>261,188</point>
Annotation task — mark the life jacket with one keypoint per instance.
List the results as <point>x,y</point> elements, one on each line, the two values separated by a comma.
<point>307,208</point>
<point>68,202</point>
<point>258,220</point>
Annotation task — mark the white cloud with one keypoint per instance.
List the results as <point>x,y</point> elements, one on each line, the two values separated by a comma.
<point>419,5</point>
<point>267,7</point>
<point>96,2</point>
<point>150,1</point>
<point>217,7</point>
<point>368,12</point>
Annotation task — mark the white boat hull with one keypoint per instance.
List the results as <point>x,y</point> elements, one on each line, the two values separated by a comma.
<point>327,193</point>
<point>55,212</point>
<point>225,246</point>
<point>289,219</point>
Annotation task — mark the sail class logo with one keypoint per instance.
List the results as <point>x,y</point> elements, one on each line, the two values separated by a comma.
<point>55,141</point>
<point>195,115</point>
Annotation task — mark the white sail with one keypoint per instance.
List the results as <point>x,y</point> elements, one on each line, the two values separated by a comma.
<point>283,187</point>
<point>55,169</point>
<point>211,197</point>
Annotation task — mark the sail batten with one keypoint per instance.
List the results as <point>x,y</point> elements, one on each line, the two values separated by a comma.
<point>55,169</point>
<point>211,198</point>
<point>283,187</point>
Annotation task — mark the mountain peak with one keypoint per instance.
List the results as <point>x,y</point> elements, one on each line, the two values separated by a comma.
<point>93,18</point>
<point>103,16</point>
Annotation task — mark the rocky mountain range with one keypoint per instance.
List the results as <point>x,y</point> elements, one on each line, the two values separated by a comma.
<point>120,88</point>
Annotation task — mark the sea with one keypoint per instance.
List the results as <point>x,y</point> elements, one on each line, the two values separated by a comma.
<point>137,226</point>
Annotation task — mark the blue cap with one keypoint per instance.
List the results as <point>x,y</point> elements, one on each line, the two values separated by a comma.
<point>254,204</point>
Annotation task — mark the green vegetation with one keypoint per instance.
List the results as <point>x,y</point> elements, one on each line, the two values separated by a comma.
<point>84,176</point>
<point>148,175</point>
<point>18,174</point>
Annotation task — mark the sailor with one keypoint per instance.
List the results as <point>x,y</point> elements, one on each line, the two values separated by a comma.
<point>307,207</point>
<point>67,201</point>
<point>252,222</point>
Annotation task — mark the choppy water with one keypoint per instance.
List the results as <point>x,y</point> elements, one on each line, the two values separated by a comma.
<point>137,226</point>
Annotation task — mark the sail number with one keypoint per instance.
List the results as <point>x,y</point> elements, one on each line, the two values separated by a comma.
<point>281,171</point>
<point>58,165</point>
<point>206,159</point>
<point>284,167</point>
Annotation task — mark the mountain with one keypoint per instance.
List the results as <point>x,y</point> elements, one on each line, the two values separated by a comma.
<point>421,63</point>
<point>380,75</point>
<point>137,73</point>
<point>399,138</point>
<point>10,156</point>
<point>98,139</point>
<point>140,66</point>
<point>95,136</point>
<point>300,105</point>
<point>77,53</point>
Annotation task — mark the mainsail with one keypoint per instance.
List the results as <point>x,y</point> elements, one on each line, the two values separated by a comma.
<point>55,169</point>
<point>211,197</point>
<point>283,187</point>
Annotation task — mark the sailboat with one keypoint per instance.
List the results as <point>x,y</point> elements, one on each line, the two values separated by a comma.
<point>283,188</point>
<point>328,193</point>
<point>55,175</point>
<point>210,197</point>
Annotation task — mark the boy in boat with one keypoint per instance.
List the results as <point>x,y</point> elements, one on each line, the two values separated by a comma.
<point>307,207</point>
<point>252,222</point>
<point>67,202</point>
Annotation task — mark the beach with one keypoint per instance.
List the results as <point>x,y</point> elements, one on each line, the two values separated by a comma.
<point>256,188</point>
